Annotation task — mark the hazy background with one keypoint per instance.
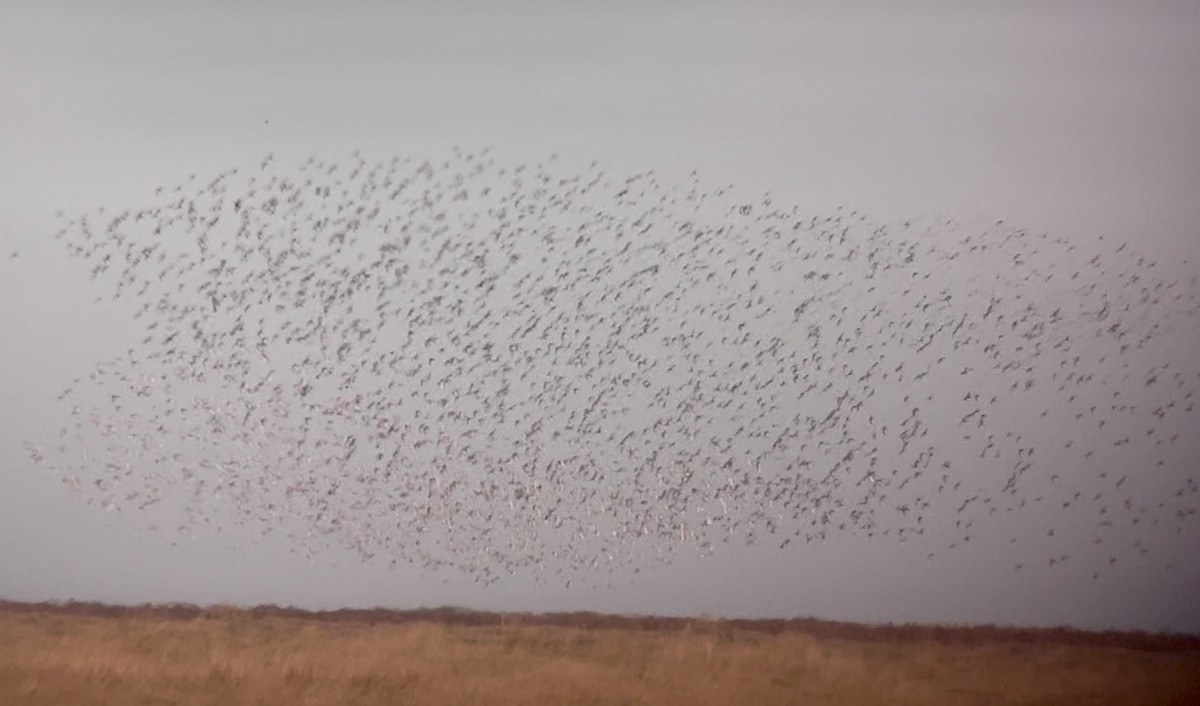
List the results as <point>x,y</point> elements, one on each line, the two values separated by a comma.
<point>1078,119</point>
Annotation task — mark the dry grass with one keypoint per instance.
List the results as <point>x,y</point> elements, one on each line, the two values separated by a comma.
<point>227,656</point>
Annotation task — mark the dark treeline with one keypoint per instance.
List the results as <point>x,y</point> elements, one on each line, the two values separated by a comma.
<point>448,615</point>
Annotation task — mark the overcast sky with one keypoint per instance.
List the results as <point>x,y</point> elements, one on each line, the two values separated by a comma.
<point>1076,121</point>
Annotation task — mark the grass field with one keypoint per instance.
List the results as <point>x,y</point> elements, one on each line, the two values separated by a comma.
<point>90,654</point>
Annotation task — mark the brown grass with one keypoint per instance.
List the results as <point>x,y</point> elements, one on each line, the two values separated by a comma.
<point>87,654</point>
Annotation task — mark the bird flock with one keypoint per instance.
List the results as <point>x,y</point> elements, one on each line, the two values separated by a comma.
<point>497,368</point>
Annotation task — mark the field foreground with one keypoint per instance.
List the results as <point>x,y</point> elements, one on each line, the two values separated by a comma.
<point>94,654</point>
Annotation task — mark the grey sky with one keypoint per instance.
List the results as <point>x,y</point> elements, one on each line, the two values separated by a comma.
<point>1074,121</point>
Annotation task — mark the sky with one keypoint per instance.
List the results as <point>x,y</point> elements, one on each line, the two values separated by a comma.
<point>1069,124</point>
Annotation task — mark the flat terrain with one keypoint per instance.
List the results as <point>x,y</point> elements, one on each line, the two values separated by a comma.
<point>93,654</point>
